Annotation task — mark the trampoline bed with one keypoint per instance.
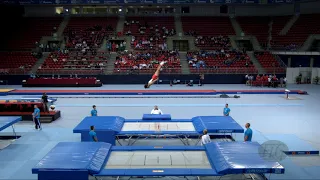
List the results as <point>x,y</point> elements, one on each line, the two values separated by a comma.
<point>157,159</point>
<point>158,126</point>
<point>112,128</point>
<point>77,160</point>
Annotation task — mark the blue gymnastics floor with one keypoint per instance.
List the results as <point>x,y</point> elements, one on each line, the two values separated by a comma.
<point>268,115</point>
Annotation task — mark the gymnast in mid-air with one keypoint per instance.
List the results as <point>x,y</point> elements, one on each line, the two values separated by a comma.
<point>155,76</point>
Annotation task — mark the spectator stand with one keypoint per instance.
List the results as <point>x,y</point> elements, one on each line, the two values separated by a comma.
<point>212,42</point>
<point>92,30</point>
<point>149,33</point>
<point>305,25</point>
<point>83,37</point>
<point>73,61</point>
<point>269,62</point>
<point>116,45</point>
<point>211,33</point>
<point>220,61</point>
<point>16,62</point>
<point>146,62</point>
<point>34,28</point>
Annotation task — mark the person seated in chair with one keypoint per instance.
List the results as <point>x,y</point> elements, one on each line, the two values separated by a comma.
<point>156,110</point>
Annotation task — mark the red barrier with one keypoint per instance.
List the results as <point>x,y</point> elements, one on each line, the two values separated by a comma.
<point>62,81</point>
<point>19,106</point>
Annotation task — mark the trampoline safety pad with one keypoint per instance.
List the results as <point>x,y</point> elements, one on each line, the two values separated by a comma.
<point>158,126</point>
<point>77,160</point>
<point>158,159</point>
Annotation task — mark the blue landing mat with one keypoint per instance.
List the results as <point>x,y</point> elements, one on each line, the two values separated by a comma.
<point>6,121</point>
<point>83,158</point>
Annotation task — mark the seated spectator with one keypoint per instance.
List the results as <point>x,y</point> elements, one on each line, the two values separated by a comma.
<point>156,110</point>
<point>32,76</point>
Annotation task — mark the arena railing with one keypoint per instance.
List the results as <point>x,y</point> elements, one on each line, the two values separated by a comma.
<point>108,70</point>
<point>15,71</point>
<point>164,71</point>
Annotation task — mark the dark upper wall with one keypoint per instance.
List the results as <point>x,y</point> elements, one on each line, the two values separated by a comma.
<point>213,9</point>
<point>310,7</point>
<point>10,17</point>
<point>316,62</point>
<point>301,61</point>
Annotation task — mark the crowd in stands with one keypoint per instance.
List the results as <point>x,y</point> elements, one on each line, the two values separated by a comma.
<point>116,46</point>
<point>89,39</point>
<point>218,59</point>
<point>266,80</point>
<point>148,40</point>
<point>81,50</point>
<point>146,35</point>
<point>211,42</point>
<point>4,71</point>
<point>74,60</point>
<point>147,61</point>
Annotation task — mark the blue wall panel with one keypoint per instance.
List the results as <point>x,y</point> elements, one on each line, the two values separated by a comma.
<point>63,175</point>
<point>284,58</point>
<point>303,61</point>
<point>316,62</point>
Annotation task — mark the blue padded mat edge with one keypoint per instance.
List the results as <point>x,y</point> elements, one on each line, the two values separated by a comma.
<point>114,123</point>
<point>6,121</point>
<point>224,157</point>
<point>214,124</point>
<point>88,156</point>
<point>156,117</point>
<point>240,157</point>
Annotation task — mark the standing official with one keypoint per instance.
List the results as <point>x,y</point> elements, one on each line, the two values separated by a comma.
<point>45,102</point>
<point>36,117</point>
<point>94,111</point>
<point>226,110</point>
<point>248,133</point>
<point>93,135</point>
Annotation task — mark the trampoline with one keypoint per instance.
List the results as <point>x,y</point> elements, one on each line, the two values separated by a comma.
<point>110,129</point>
<point>77,160</point>
<point>7,121</point>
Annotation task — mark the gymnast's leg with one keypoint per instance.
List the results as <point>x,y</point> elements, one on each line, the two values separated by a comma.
<point>155,76</point>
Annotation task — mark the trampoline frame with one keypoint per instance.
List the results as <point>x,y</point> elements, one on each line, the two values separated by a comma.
<point>184,138</point>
